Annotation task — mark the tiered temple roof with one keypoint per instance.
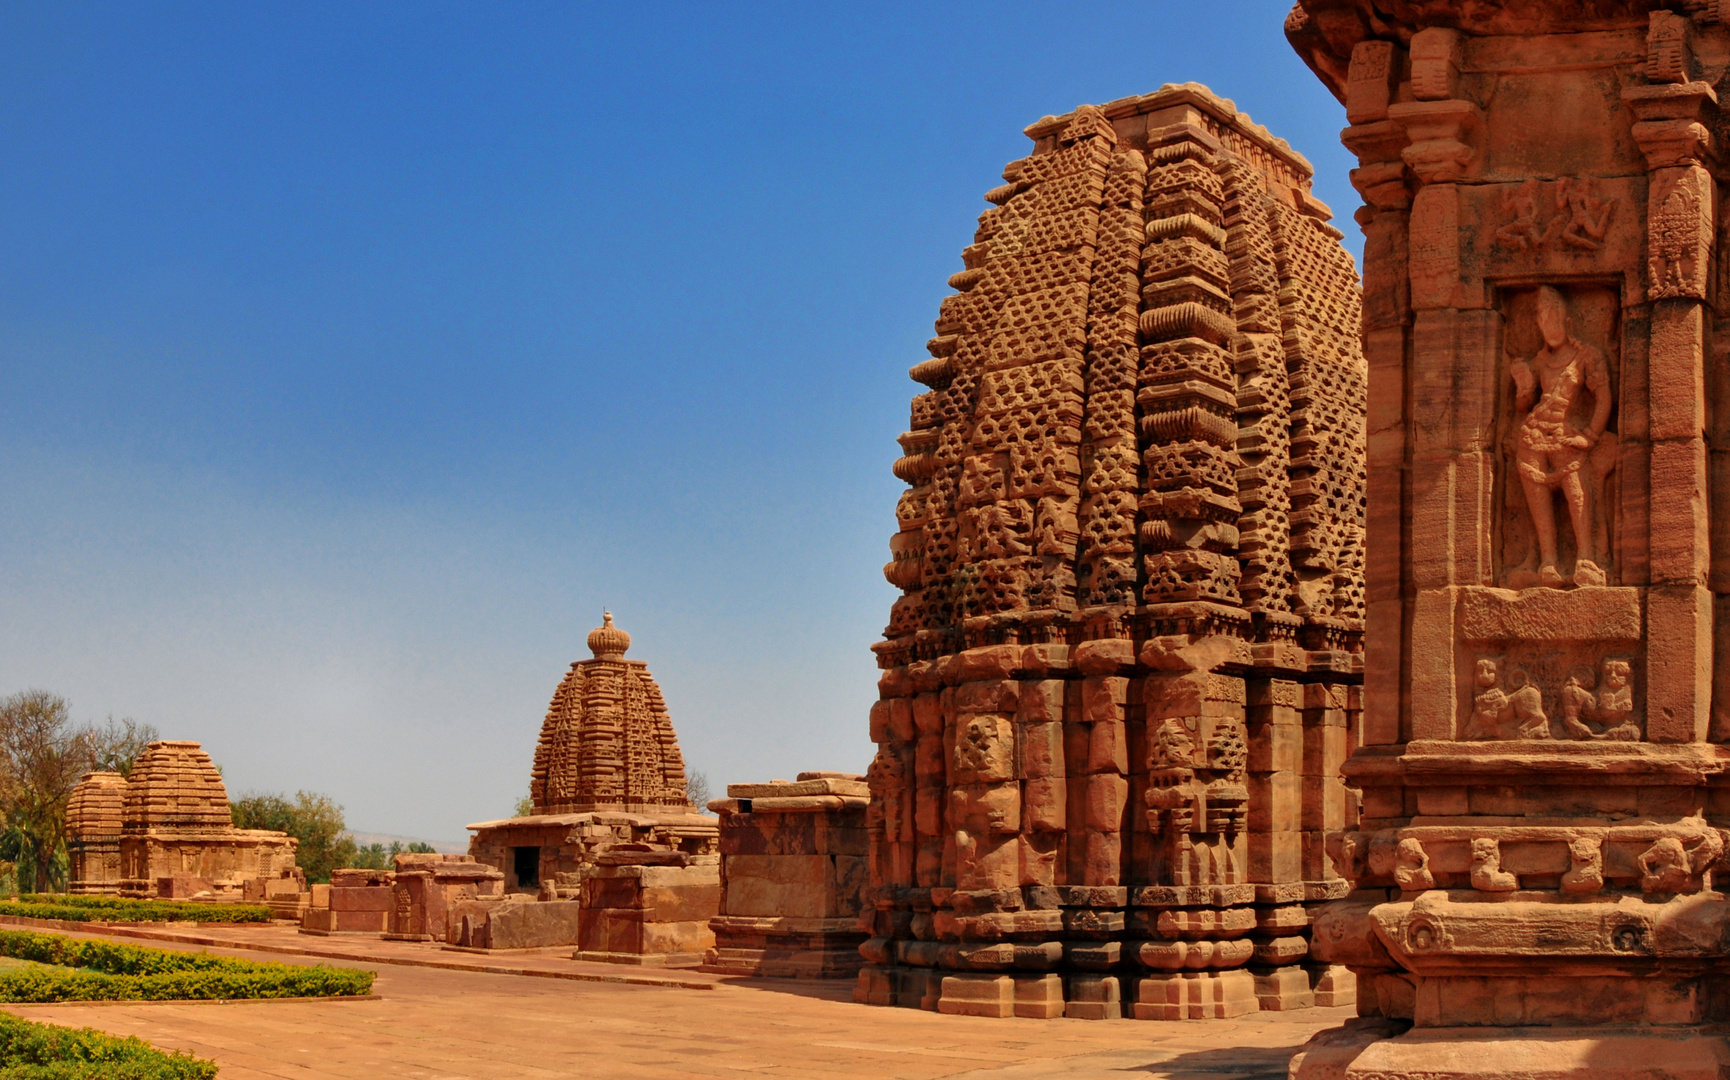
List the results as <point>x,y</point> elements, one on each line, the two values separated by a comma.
<point>608,743</point>
<point>176,785</point>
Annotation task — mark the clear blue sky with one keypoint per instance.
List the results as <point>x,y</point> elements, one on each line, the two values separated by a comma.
<point>353,356</point>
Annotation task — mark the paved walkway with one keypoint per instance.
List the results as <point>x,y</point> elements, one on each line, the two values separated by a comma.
<point>447,1022</point>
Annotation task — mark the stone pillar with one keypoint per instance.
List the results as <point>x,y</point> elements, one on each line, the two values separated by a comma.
<point>1537,759</point>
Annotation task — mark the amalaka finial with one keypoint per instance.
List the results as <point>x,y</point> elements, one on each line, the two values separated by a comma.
<point>608,642</point>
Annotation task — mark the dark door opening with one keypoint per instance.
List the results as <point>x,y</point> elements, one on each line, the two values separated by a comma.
<point>527,863</point>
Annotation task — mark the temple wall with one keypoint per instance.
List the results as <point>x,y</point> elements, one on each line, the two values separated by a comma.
<point>1542,769</point>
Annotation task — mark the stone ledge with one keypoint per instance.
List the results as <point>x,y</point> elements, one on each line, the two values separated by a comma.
<point>1583,614</point>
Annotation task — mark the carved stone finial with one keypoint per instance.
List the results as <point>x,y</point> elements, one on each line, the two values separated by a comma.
<point>608,642</point>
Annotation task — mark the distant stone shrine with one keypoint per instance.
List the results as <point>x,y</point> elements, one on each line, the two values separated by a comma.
<point>611,829</point>
<point>95,812</point>
<point>793,877</point>
<point>1125,668</point>
<point>175,837</point>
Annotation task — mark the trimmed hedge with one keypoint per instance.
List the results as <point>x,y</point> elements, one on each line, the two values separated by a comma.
<point>104,971</point>
<point>120,909</point>
<point>30,1051</point>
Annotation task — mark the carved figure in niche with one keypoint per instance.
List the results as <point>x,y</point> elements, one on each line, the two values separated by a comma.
<point>1497,714</point>
<point>1487,872</point>
<point>1578,701</point>
<point>1553,448</point>
<point>1412,866</point>
<point>1664,867</point>
<point>1585,874</point>
<point>1615,705</point>
<point>1172,748</point>
<point>1588,217</point>
<point>1521,231</point>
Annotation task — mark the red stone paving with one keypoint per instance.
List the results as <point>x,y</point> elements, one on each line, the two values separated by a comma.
<point>444,1014</point>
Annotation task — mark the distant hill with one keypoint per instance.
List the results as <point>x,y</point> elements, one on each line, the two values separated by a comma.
<point>451,847</point>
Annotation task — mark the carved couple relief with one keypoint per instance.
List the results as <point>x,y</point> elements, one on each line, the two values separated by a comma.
<point>1579,217</point>
<point>1588,711</point>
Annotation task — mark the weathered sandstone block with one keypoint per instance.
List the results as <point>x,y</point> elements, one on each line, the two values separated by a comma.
<point>793,877</point>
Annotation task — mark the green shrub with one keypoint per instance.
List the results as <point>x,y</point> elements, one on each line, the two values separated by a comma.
<point>121,909</point>
<point>30,1051</point>
<point>89,970</point>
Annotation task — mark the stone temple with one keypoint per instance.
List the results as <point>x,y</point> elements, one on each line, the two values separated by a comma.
<point>1126,665</point>
<point>612,831</point>
<point>167,830</point>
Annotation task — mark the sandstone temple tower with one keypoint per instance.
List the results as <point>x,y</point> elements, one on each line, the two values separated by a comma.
<point>607,742</point>
<point>1124,672</point>
<point>1547,693</point>
<point>167,830</point>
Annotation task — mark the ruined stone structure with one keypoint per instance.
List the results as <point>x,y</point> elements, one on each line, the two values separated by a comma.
<point>608,793</point>
<point>1547,693</point>
<point>427,888</point>
<point>794,875</point>
<point>175,835</point>
<point>354,902</point>
<point>1125,671</point>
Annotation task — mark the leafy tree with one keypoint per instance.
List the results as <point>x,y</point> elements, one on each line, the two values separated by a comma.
<point>376,856</point>
<point>315,820</point>
<point>525,806</point>
<point>42,755</point>
<point>115,746</point>
<point>697,789</point>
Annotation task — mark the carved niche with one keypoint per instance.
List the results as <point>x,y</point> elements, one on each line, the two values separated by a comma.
<point>1557,441</point>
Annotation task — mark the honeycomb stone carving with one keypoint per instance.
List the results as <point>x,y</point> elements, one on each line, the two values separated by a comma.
<point>1119,681</point>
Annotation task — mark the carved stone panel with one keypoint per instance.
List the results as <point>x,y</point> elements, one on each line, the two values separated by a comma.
<point>1557,441</point>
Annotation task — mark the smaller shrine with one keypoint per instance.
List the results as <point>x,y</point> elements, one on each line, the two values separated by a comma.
<point>167,830</point>
<point>612,829</point>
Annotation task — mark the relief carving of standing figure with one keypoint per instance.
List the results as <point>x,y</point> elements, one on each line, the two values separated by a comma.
<point>1553,442</point>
